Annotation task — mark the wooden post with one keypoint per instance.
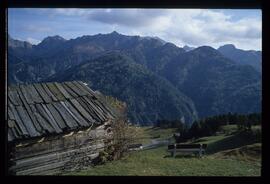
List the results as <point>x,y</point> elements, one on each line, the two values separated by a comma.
<point>174,150</point>
<point>200,152</point>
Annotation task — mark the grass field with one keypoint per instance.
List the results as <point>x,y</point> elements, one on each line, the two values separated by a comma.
<point>149,133</point>
<point>227,155</point>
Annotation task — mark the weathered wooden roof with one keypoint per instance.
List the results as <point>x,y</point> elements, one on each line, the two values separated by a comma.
<point>51,108</point>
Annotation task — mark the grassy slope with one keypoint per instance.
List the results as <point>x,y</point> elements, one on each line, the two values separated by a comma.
<point>157,162</point>
<point>229,139</point>
<point>245,153</point>
<point>155,133</point>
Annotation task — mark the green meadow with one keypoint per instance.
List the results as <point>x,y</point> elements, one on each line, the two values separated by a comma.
<point>228,154</point>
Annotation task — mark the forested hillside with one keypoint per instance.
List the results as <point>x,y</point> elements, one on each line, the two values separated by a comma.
<point>157,79</point>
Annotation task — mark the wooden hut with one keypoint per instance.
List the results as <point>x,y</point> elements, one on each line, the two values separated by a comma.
<point>55,126</point>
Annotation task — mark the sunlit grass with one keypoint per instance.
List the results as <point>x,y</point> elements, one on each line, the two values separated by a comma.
<point>157,162</point>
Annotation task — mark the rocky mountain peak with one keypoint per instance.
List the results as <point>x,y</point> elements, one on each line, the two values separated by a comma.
<point>187,48</point>
<point>227,46</point>
<point>53,39</point>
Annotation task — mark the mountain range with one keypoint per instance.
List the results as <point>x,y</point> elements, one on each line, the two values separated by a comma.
<point>157,79</point>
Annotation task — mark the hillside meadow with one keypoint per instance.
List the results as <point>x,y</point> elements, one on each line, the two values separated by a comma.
<point>228,154</point>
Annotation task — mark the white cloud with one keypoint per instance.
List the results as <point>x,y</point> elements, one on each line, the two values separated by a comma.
<point>206,27</point>
<point>62,11</point>
<point>71,11</point>
<point>33,41</point>
<point>33,28</point>
<point>194,27</point>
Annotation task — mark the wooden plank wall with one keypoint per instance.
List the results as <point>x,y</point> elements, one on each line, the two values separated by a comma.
<point>52,156</point>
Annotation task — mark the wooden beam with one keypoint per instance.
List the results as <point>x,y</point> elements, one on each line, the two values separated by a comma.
<point>62,90</point>
<point>10,114</point>
<point>93,106</point>
<point>58,144</point>
<point>41,168</point>
<point>43,94</point>
<point>89,110</point>
<point>65,115</point>
<point>70,112</point>
<point>12,127</point>
<point>12,117</point>
<point>42,121</point>
<point>103,108</point>
<point>56,92</point>
<point>14,97</point>
<point>53,122</point>
<point>30,113</point>
<point>27,122</point>
<point>69,90</point>
<point>107,108</point>
<point>75,89</point>
<point>56,116</point>
<point>34,94</point>
<point>18,120</point>
<point>81,89</point>
<point>47,117</point>
<point>25,95</point>
<point>85,114</point>
<point>87,88</point>
<point>79,118</point>
<point>53,157</point>
<point>49,93</point>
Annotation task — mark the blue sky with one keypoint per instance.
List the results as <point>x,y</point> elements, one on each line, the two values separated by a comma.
<point>193,27</point>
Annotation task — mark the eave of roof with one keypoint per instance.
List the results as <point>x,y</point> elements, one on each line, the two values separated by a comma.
<point>42,109</point>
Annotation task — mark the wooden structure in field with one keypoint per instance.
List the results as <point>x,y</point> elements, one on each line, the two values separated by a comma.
<point>187,148</point>
<point>54,126</point>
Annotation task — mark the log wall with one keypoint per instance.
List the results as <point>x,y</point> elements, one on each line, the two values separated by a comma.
<point>56,154</point>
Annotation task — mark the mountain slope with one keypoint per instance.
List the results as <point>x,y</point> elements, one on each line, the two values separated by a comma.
<point>148,96</point>
<point>56,54</point>
<point>242,57</point>
<point>213,82</point>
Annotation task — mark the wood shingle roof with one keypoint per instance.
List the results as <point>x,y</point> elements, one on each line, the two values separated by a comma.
<point>51,108</point>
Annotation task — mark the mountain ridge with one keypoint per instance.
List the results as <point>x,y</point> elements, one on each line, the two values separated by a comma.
<point>204,74</point>
<point>242,57</point>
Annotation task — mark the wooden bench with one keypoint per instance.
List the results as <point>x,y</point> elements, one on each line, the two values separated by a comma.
<point>187,148</point>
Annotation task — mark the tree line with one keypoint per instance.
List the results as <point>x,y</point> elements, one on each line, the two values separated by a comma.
<point>211,125</point>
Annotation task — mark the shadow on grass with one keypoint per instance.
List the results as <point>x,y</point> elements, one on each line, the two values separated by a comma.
<point>231,142</point>
<point>152,128</point>
<point>181,156</point>
<point>199,140</point>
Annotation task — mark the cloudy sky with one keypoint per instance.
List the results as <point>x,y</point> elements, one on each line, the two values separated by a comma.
<point>193,27</point>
